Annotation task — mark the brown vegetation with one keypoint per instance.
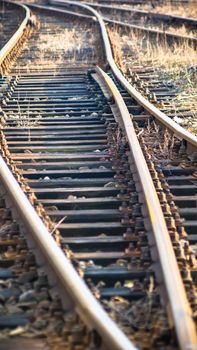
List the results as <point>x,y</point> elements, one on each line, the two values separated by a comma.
<point>176,65</point>
<point>185,10</point>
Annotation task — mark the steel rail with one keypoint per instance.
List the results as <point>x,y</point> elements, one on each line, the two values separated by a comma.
<point>155,15</point>
<point>176,129</point>
<point>85,303</point>
<point>181,310</point>
<point>50,8</point>
<point>8,47</point>
<point>72,285</point>
<point>156,32</point>
<point>179,305</point>
<point>168,35</point>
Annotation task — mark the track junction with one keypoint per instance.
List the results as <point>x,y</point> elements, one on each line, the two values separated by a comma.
<point>101,185</point>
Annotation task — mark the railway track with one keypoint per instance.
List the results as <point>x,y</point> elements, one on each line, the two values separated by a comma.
<point>93,193</point>
<point>162,83</point>
<point>30,309</point>
<point>138,16</point>
<point>6,14</point>
<point>143,2</point>
<point>147,78</point>
<point>155,25</point>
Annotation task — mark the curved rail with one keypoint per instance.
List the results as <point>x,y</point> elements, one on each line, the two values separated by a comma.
<point>156,32</point>
<point>71,283</point>
<point>73,287</point>
<point>176,129</point>
<point>181,311</point>
<point>8,47</point>
<point>84,302</point>
<point>150,14</point>
<point>159,34</point>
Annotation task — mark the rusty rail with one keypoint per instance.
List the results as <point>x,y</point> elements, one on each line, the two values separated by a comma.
<point>176,129</point>
<point>74,288</point>
<point>181,311</point>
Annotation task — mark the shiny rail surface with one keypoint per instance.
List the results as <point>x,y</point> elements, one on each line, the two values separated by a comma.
<point>136,13</point>
<point>159,34</point>
<point>71,282</point>
<point>9,46</point>
<point>169,37</point>
<point>168,261</point>
<point>72,286</point>
<point>7,12</point>
<point>149,107</point>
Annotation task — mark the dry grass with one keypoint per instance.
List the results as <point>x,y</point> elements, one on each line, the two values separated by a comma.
<point>187,10</point>
<point>143,51</point>
<point>181,31</point>
<point>146,23</point>
<point>60,43</point>
<point>175,65</point>
<point>66,40</point>
<point>141,321</point>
